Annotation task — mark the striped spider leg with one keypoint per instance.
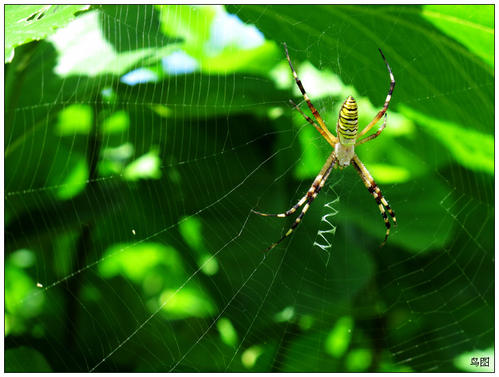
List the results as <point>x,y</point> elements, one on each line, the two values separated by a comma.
<point>385,106</point>
<point>373,188</point>
<point>307,199</point>
<point>325,132</point>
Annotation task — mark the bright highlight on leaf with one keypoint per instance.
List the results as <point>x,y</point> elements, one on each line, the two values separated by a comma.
<point>76,179</point>
<point>135,261</point>
<point>22,258</point>
<point>21,299</point>
<point>213,41</point>
<point>285,314</point>
<point>208,264</point>
<point>476,360</point>
<point>144,167</point>
<point>116,123</point>
<point>188,302</point>
<point>74,119</point>
<point>471,25</point>
<point>339,337</point>
<point>358,360</point>
<point>227,331</point>
<point>26,23</point>
<point>390,173</point>
<point>191,230</point>
<point>472,149</point>
<point>84,50</point>
<point>250,356</point>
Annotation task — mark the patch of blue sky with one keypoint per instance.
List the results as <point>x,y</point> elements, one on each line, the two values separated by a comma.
<point>179,62</point>
<point>139,76</point>
<point>228,29</point>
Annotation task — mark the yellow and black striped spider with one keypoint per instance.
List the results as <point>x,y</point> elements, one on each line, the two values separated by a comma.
<point>343,153</point>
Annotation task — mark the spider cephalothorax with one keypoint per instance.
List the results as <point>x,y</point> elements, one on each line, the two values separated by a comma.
<point>343,154</point>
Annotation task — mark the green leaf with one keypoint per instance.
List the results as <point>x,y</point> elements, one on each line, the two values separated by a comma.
<point>194,26</point>
<point>26,23</point>
<point>227,331</point>
<point>338,339</point>
<point>146,166</point>
<point>25,359</point>
<point>136,261</point>
<point>471,25</point>
<point>250,356</point>
<point>358,360</point>
<point>75,180</point>
<point>472,149</point>
<point>190,23</point>
<point>434,72</point>
<point>83,49</point>
<point>185,303</point>
<point>423,223</point>
<point>191,230</point>
<point>74,119</point>
<point>116,123</point>
<point>464,361</point>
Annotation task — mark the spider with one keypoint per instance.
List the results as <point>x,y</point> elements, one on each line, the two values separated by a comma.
<point>343,153</point>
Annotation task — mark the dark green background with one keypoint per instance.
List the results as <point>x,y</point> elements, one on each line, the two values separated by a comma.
<point>110,247</point>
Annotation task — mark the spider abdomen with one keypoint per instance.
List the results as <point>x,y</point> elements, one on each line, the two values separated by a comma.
<point>348,125</point>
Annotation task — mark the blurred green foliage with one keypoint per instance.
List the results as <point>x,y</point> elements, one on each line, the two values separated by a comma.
<point>139,138</point>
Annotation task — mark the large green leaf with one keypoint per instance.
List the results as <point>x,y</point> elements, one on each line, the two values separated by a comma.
<point>435,73</point>
<point>471,26</point>
<point>26,23</point>
<point>129,233</point>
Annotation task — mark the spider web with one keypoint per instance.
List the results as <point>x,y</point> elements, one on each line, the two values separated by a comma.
<point>131,171</point>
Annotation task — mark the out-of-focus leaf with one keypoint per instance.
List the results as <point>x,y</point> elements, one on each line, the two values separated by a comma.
<point>24,359</point>
<point>250,356</point>
<point>22,297</point>
<point>116,123</point>
<point>453,82</point>
<point>358,360</point>
<point>473,149</point>
<point>185,303</point>
<point>214,50</point>
<point>74,119</point>
<point>464,361</point>
<point>298,359</point>
<point>83,50</point>
<point>339,337</point>
<point>423,223</point>
<point>470,25</point>
<point>137,261</point>
<point>227,332</point>
<point>75,180</point>
<point>190,23</point>
<point>26,23</point>
<point>146,166</point>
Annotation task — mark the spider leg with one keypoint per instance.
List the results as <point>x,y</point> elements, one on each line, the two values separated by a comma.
<point>290,211</point>
<point>373,136</point>
<point>309,120</point>
<point>330,137</point>
<point>376,193</point>
<point>312,193</point>
<point>387,101</point>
